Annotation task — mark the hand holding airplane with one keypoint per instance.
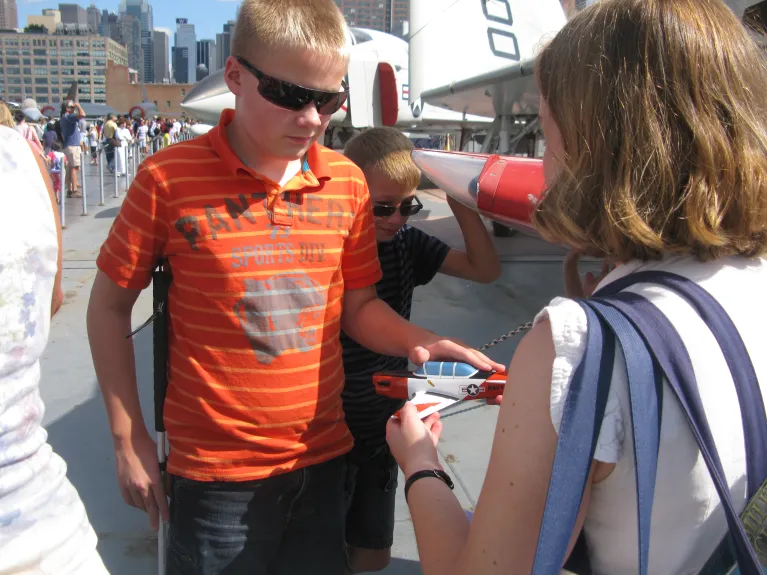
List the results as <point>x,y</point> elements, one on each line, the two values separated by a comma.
<point>438,384</point>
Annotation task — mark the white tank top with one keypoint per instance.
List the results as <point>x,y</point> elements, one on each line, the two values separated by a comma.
<point>687,519</point>
<point>43,525</point>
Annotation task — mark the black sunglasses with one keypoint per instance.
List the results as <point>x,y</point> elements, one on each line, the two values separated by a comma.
<point>407,209</point>
<point>294,97</point>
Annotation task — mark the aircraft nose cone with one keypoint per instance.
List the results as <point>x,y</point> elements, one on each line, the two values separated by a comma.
<point>456,174</point>
<point>208,97</point>
<point>208,87</point>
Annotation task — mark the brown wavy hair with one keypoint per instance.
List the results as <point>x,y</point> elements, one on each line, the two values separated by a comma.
<point>662,106</point>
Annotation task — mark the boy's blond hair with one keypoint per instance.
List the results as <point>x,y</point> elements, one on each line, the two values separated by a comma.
<point>267,26</point>
<point>386,150</point>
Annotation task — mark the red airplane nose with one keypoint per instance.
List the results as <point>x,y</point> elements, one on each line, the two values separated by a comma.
<point>503,188</point>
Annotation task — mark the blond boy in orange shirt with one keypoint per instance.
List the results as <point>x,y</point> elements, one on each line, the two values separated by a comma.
<point>271,242</point>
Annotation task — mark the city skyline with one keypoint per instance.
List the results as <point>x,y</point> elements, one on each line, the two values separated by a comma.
<point>207,16</point>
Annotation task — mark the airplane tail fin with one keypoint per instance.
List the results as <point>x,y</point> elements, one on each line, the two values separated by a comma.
<point>451,40</point>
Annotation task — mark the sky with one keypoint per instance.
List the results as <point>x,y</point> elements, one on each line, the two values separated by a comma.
<point>208,16</point>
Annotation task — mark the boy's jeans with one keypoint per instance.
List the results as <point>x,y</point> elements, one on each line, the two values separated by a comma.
<point>289,524</point>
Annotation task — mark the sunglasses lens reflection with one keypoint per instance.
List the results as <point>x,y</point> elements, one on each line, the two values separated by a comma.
<point>407,210</point>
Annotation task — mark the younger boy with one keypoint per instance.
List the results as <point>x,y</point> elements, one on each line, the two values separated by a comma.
<point>409,258</point>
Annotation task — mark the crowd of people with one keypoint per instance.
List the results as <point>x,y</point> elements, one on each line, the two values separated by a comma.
<point>293,271</point>
<point>64,141</point>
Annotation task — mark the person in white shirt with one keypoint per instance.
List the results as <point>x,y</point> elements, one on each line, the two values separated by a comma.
<point>44,528</point>
<point>93,142</point>
<point>655,119</point>
<point>121,154</point>
<point>175,133</point>
<point>143,132</point>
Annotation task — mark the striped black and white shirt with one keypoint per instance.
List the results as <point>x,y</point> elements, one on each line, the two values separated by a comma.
<point>411,259</point>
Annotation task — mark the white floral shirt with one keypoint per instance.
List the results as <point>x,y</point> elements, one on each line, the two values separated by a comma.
<point>43,525</point>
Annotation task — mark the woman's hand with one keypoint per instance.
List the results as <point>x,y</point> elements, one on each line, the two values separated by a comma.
<point>413,442</point>
<point>574,286</point>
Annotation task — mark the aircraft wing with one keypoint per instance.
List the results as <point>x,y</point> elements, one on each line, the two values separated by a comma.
<point>427,403</point>
<point>507,91</point>
<point>491,49</point>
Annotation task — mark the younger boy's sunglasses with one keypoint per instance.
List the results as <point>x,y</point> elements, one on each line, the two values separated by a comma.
<point>407,209</point>
<point>294,97</point>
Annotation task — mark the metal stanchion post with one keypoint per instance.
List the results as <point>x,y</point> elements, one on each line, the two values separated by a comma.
<point>117,180</point>
<point>83,189</point>
<point>100,159</point>
<point>128,156</point>
<point>62,198</point>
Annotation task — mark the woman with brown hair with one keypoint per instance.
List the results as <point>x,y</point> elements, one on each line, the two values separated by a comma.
<point>655,117</point>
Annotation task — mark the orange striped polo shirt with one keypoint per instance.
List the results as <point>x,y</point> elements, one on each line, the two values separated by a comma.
<point>259,273</point>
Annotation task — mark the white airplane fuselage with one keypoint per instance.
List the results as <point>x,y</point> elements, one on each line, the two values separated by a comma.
<point>378,81</point>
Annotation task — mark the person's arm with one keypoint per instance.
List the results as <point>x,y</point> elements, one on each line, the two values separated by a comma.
<point>370,322</point>
<point>125,264</point>
<point>503,534</point>
<point>479,262</point>
<point>108,322</point>
<point>57,299</point>
<point>80,111</point>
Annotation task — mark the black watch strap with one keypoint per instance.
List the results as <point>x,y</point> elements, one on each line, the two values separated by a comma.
<point>438,473</point>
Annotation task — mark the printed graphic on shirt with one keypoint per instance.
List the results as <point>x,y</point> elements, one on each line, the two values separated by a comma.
<point>281,314</point>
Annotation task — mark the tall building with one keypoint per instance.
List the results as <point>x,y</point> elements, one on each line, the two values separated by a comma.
<point>390,16</point>
<point>56,62</point>
<point>161,49</point>
<point>130,37</point>
<point>9,17</point>
<point>206,54</point>
<point>110,26</point>
<point>181,65</point>
<point>94,19</point>
<point>50,20</point>
<point>142,10</point>
<point>224,44</point>
<point>186,39</point>
<point>73,14</point>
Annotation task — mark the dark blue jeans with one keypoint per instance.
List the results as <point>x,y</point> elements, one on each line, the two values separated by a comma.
<point>289,524</point>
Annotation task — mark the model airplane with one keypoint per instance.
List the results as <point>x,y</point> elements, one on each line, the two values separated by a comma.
<point>439,384</point>
<point>379,89</point>
<point>490,74</point>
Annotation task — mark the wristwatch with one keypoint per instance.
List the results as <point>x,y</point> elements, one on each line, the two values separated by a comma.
<point>438,473</point>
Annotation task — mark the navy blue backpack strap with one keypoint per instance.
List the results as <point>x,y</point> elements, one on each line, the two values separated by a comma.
<point>645,384</point>
<point>735,354</point>
<point>670,353</point>
<point>643,332</point>
<point>578,434</point>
